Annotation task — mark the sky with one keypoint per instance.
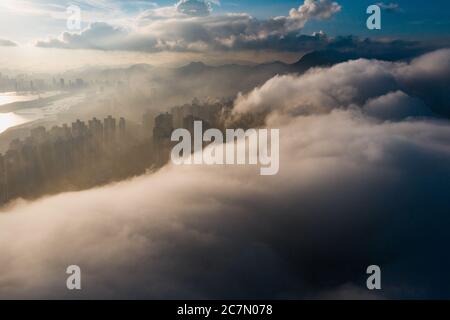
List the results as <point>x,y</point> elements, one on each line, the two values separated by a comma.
<point>144,29</point>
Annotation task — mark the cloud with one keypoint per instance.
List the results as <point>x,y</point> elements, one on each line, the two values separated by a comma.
<point>188,26</point>
<point>194,7</point>
<point>312,9</point>
<point>354,83</point>
<point>393,7</point>
<point>161,30</point>
<point>352,191</point>
<point>98,35</point>
<point>427,78</point>
<point>396,106</point>
<point>320,90</point>
<point>7,43</point>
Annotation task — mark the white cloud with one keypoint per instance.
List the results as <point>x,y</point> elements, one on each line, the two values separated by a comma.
<point>194,7</point>
<point>312,9</point>
<point>188,26</point>
<point>98,35</point>
<point>321,90</point>
<point>389,6</point>
<point>353,83</point>
<point>396,106</point>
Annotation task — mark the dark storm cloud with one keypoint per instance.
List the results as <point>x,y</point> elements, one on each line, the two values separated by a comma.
<point>353,190</point>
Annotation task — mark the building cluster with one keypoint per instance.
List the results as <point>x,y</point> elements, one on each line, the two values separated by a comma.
<point>68,84</point>
<point>23,82</point>
<point>47,156</point>
<point>87,154</point>
<point>32,83</point>
<point>162,126</point>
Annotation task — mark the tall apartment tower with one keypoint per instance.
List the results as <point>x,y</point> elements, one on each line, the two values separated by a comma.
<point>122,127</point>
<point>109,127</point>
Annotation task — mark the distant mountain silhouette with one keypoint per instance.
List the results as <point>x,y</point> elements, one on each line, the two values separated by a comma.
<point>197,79</point>
<point>239,72</point>
<point>324,58</point>
<point>193,67</point>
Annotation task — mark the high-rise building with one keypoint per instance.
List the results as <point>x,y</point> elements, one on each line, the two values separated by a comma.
<point>177,114</point>
<point>148,122</point>
<point>162,133</point>
<point>163,126</point>
<point>95,127</point>
<point>38,134</point>
<point>121,126</point>
<point>66,131</point>
<point>57,133</point>
<point>79,83</point>
<point>109,127</point>
<point>79,129</point>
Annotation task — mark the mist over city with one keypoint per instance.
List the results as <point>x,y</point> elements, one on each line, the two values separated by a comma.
<point>91,93</point>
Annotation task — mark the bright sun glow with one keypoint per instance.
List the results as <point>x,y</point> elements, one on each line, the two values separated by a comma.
<point>10,119</point>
